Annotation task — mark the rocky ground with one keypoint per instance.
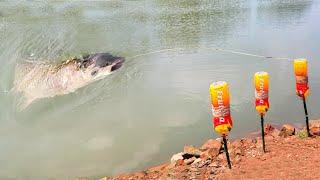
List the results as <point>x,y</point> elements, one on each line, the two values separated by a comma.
<point>290,155</point>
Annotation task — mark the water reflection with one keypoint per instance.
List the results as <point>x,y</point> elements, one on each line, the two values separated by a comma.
<point>282,14</point>
<point>204,22</point>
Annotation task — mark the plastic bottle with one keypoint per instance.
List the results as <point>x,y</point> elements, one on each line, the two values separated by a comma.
<point>261,81</point>
<point>301,72</point>
<point>220,101</point>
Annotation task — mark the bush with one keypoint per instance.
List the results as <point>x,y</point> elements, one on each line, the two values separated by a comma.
<point>302,134</point>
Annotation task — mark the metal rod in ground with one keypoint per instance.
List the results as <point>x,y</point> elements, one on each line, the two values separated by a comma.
<point>226,150</point>
<point>306,113</point>
<point>262,133</point>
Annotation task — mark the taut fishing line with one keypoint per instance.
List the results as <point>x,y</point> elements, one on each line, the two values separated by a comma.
<point>239,52</point>
<point>154,52</point>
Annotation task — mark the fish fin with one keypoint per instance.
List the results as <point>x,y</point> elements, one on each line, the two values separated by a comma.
<point>24,103</point>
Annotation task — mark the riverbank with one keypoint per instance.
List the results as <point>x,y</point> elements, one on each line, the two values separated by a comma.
<point>290,154</point>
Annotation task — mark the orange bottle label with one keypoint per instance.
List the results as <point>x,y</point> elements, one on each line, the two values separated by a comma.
<point>220,101</point>
<point>261,81</point>
<point>301,72</point>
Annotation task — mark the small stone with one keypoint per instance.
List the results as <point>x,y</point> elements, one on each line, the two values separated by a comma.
<point>315,131</point>
<point>190,150</point>
<point>254,141</point>
<point>214,164</point>
<point>210,153</point>
<point>105,178</point>
<point>177,157</point>
<point>287,130</point>
<point>197,161</point>
<point>204,163</point>
<point>189,161</point>
<point>210,149</point>
<point>211,143</point>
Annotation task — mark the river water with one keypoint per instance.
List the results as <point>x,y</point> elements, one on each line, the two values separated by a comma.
<point>157,102</point>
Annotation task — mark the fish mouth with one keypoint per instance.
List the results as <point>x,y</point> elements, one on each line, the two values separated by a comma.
<point>117,64</point>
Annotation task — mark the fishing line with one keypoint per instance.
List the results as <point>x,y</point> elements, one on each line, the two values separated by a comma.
<point>240,52</point>
<point>245,53</point>
<point>154,52</point>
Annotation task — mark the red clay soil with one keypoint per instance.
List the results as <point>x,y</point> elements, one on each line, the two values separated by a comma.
<point>286,158</point>
<point>290,155</point>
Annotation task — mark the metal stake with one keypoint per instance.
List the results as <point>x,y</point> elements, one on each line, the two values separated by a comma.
<point>262,133</point>
<point>306,113</point>
<point>226,150</point>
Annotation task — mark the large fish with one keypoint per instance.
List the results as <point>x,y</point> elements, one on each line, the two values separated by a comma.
<point>41,80</point>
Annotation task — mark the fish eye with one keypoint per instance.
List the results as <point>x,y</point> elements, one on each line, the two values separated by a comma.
<point>95,72</point>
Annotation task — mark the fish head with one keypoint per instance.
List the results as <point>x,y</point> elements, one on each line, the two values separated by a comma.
<point>99,65</point>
